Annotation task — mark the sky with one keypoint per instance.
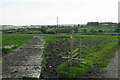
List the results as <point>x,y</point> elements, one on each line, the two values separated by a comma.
<point>44,12</point>
<point>119,11</point>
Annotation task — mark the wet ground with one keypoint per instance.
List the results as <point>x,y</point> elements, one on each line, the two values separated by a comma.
<point>24,61</point>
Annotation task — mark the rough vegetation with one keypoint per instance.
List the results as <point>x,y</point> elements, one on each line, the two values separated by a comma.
<point>96,50</point>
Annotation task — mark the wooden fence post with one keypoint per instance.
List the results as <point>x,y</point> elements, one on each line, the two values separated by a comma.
<point>76,56</point>
<point>80,46</point>
<point>80,50</point>
<point>71,48</point>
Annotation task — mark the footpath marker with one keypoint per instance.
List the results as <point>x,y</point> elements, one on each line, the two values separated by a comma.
<point>78,55</point>
<point>71,48</point>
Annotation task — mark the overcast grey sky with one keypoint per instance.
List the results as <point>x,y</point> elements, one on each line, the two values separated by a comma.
<point>26,12</point>
<point>119,11</point>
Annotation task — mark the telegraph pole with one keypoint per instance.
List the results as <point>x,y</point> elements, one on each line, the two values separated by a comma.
<point>56,25</point>
<point>57,21</point>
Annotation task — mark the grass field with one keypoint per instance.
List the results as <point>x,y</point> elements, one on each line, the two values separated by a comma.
<point>104,29</point>
<point>96,50</point>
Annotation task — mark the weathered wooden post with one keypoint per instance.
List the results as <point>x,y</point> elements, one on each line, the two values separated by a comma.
<point>71,48</point>
<point>80,50</point>
<point>80,46</point>
<point>77,56</point>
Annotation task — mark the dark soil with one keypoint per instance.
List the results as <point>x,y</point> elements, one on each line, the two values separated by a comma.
<point>52,60</point>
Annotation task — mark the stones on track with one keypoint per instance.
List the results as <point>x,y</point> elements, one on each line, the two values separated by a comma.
<point>25,60</point>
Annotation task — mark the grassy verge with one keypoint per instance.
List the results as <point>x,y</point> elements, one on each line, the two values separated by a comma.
<point>96,50</point>
<point>43,64</point>
<point>67,71</point>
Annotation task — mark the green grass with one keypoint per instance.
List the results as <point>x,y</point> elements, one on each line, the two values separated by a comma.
<point>43,64</point>
<point>21,39</point>
<point>106,30</point>
<point>15,39</point>
<point>96,49</point>
<point>67,71</point>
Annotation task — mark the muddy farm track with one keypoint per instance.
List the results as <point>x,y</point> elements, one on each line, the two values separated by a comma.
<point>24,61</point>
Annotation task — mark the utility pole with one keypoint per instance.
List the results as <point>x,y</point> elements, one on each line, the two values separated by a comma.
<point>57,21</point>
<point>56,25</point>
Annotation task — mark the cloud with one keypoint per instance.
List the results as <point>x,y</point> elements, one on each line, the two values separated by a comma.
<point>69,11</point>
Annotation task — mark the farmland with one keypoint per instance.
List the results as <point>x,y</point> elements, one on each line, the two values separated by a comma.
<point>97,50</point>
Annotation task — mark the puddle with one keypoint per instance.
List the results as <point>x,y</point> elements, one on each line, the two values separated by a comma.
<point>10,46</point>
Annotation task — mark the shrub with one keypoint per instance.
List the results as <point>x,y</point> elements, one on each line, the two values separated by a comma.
<point>43,30</point>
<point>66,71</point>
<point>84,30</point>
<point>55,50</point>
<point>117,30</point>
<point>92,30</point>
<point>100,31</point>
<point>51,32</point>
<point>75,29</point>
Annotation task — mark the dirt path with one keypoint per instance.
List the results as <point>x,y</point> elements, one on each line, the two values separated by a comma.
<point>24,61</point>
<point>111,71</point>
